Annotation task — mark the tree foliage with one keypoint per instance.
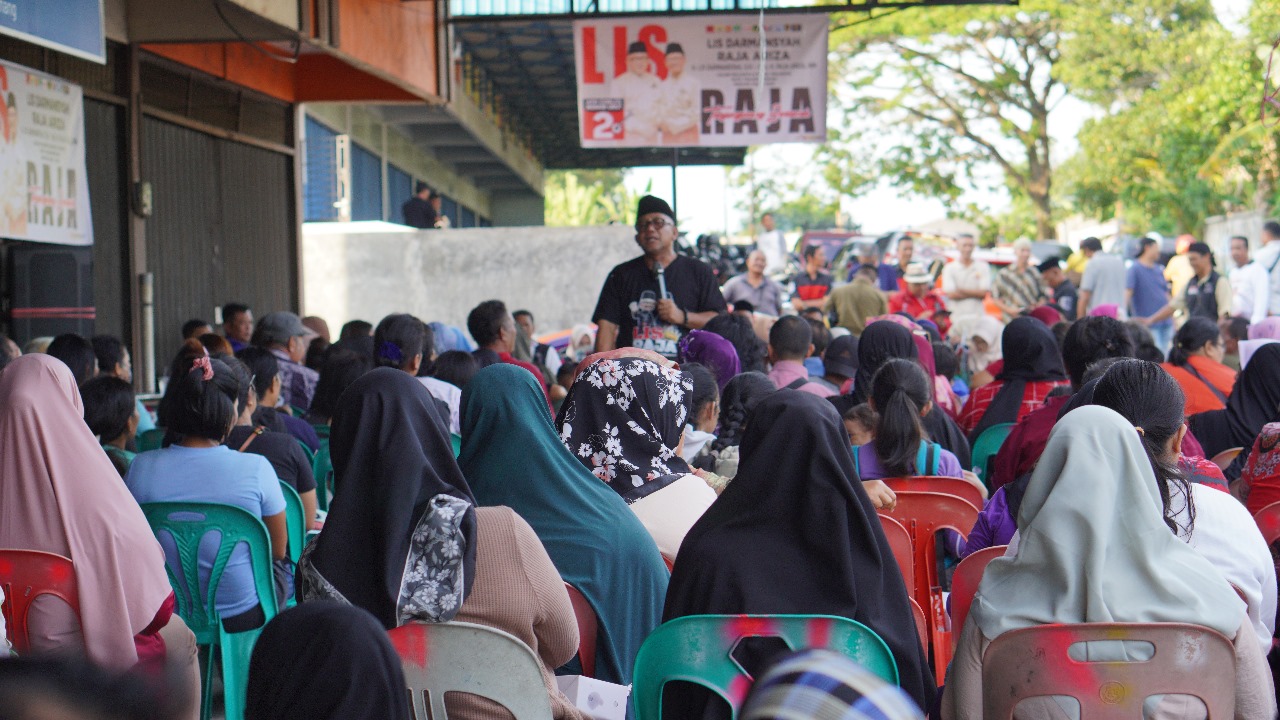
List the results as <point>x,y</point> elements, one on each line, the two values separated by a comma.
<point>588,197</point>
<point>1182,139</point>
<point>934,100</point>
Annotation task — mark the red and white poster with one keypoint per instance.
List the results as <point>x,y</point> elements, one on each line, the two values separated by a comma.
<point>697,81</point>
<point>44,190</point>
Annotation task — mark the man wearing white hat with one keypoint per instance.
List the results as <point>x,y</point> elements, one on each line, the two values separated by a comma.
<point>919,300</point>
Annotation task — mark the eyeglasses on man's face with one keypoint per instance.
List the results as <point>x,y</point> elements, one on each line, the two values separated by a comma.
<point>655,223</point>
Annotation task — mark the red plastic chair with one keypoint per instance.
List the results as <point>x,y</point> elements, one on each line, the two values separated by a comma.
<point>903,551</point>
<point>1224,459</point>
<point>588,626</point>
<point>922,625</point>
<point>1031,662</point>
<point>1268,520</point>
<point>964,583</point>
<point>924,514</point>
<point>26,575</point>
<point>962,489</point>
<point>671,564</point>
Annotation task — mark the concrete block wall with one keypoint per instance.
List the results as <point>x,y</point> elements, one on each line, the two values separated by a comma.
<point>366,270</point>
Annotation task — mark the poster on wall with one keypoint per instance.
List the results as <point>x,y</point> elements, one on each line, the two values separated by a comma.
<point>44,192</point>
<point>692,81</point>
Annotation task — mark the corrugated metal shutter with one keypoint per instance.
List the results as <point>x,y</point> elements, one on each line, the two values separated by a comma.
<point>108,199</point>
<point>399,189</point>
<point>222,229</point>
<point>366,184</point>
<point>320,186</point>
<point>466,217</point>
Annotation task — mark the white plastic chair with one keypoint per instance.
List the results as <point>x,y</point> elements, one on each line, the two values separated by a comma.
<point>464,657</point>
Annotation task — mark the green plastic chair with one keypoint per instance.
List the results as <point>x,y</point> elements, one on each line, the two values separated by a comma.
<point>456,441</point>
<point>311,454</point>
<point>985,449</point>
<point>150,440</point>
<point>322,431</point>
<point>322,468</point>
<point>294,518</point>
<point>697,648</point>
<point>187,523</point>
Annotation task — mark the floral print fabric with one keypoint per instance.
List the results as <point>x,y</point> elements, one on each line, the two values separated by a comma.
<point>432,586</point>
<point>623,420</point>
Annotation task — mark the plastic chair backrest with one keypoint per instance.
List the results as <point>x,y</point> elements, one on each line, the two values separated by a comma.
<point>964,583</point>
<point>294,520</point>
<point>322,468</point>
<point>26,575</point>
<point>924,514</point>
<point>1268,521</point>
<point>922,624</point>
<point>697,649</point>
<point>588,626</point>
<point>1031,662</point>
<point>903,550</point>
<point>187,523</point>
<point>1224,459</point>
<point>671,564</point>
<point>986,447</point>
<point>151,440</point>
<point>462,657</point>
<point>311,454</point>
<point>928,483</point>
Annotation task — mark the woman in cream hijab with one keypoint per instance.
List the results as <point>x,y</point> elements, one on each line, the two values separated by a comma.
<point>1094,548</point>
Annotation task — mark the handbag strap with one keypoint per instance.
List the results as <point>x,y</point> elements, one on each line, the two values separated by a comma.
<point>253,434</point>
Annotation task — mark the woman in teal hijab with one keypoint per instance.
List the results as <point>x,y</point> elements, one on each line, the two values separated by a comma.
<point>512,456</point>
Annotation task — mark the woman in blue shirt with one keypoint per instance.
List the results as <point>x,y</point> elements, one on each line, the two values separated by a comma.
<point>198,468</point>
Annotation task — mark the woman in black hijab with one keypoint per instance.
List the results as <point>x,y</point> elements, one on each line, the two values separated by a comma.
<point>1031,355</point>
<point>324,660</point>
<point>885,341</point>
<point>1254,402</point>
<point>400,539</point>
<point>795,533</point>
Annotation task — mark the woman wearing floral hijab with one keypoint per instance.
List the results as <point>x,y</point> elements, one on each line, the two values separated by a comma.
<point>624,420</point>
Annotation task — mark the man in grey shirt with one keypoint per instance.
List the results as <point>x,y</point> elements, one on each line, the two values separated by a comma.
<point>755,287</point>
<point>1103,281</point>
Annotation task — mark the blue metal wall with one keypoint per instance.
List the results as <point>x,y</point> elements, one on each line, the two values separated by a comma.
<point>399,188</point>
<point>320,179</point>
<point>366,184</point>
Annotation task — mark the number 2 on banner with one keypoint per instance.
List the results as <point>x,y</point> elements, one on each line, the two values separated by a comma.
<point>605,125</point>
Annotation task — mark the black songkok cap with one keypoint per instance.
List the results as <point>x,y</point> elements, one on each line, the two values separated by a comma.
<point>650,204</point>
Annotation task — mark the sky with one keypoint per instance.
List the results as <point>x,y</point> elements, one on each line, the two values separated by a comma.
<point>706,203</point>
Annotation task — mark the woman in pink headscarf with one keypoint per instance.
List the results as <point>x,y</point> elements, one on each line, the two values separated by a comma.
<point>60,494</point>
<point>1261,333</point>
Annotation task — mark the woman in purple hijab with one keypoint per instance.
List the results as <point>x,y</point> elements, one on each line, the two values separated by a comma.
<point>713,351</point>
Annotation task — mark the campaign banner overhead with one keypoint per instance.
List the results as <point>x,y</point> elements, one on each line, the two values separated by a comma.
<point>696,80</point>
<point>71,26</point>
<point>44,192</point>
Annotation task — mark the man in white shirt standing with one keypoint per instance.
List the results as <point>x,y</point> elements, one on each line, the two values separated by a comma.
<point>773,245</point>
<point>1268,258</point>
<point>1249,292</point>
<point>965,283</point>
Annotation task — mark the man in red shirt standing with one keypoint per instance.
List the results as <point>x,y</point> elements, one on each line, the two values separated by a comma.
<point>920,300</point>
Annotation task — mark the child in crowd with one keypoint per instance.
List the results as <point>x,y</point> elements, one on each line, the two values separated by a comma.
<point>111,413</point>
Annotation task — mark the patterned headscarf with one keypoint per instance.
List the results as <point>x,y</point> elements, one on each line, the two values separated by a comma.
<point>623,420</point>
<point>825,685</point>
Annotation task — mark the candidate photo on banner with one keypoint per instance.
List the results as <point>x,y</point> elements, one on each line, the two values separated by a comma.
<point>696,80</point>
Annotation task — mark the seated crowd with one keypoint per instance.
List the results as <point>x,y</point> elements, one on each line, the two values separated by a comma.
<point>697,460</point>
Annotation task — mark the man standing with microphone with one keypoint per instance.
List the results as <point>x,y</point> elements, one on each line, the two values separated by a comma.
<point>650,302</point>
